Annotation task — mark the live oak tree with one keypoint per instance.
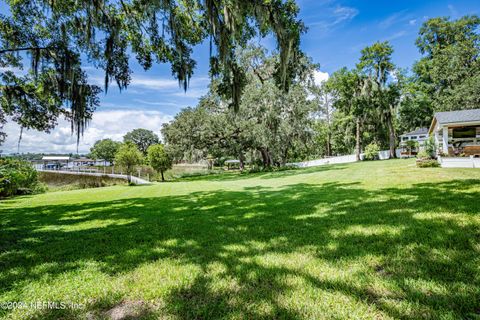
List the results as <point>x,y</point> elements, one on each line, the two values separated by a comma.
<point>159,159</point>
<point>269,123</point>
<point>128,157</point>
<point>59,36</point>
<point>105,149</point>
<point>142,138</point>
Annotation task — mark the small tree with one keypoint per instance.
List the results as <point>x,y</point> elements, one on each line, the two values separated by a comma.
<point>430,147</point>
<point>105,149</point>
<point>128,157</point>
<point>159,159</point>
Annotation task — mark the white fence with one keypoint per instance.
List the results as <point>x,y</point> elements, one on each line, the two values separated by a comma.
<point>382,155</point>
<point>321,162</point>
<point>458,162</point>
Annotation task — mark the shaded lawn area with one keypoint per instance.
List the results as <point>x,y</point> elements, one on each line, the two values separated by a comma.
<point>368,240</point>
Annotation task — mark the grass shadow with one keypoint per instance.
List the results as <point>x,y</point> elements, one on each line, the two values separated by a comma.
<point>426,233</point>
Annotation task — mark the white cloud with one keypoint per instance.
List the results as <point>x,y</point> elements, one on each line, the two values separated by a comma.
<point>336,16</point>
<point>105,124</point>
<point>396,35</point>
<point>398,17</point>
<point>453,11</point>
<point>152,82</point>
<point>320,77</point>
<point>191,93</point>
<point>412,22</point>
<point>342,13</point>
<point>154,103</point>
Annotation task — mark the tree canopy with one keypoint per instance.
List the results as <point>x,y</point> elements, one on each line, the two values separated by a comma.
<point>142,138</point>
<point>159,159</point>
<point>269,122</point>
<point>59,36</point>
<point>105,149</point>
<point>128,156</point>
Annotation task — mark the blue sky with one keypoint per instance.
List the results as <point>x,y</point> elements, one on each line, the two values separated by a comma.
<point>338,30</point>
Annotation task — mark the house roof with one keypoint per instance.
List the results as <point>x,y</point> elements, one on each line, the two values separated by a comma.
<point>458,116</point>
<point>55,158</point>
<point>416,132</point>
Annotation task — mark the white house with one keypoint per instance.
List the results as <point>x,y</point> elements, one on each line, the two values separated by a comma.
<point>53,162</point>
<point>457,133</point>
<point>419,136</point>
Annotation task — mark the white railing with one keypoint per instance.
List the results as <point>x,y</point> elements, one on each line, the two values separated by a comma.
<point>459,162</point>
<point>135,180</point>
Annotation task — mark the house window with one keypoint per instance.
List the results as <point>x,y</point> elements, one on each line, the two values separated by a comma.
<point>423,137</point>
<point>404,138</point>
<point>413,138</point>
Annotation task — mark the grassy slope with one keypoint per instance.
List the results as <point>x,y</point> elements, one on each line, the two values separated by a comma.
<point>365,240</point>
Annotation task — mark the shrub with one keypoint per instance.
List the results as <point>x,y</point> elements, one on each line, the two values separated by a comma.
<point>18,177</point>
<point>371,151</point>
<point>427,163</point>
<point>423,155</point>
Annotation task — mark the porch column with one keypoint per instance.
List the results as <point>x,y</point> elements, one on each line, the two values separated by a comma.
<point>445,140</point>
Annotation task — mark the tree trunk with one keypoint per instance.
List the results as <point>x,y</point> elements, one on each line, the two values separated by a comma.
<point>358,144</point>
<point>270,159</point>
<point>265,158</point>
<point>284,158</point>
<point>392,138</point>
<point>161,172</point>
<point>329,138</point>
<point>328,143</point>
<point>241,159</point>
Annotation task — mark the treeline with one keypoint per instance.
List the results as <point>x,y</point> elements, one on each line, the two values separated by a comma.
<point>139,147</point>
<point>370,104</point>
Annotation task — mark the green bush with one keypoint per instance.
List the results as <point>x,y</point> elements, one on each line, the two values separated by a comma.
<point>427,163</point>
<point>430,147</point>
<point>18,177</point>
<point>423,155</point>
<point>371,151</point>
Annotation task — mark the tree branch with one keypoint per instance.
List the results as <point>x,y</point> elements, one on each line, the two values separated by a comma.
<point>23,49</point>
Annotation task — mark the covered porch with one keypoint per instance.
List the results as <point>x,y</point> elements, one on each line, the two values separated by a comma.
<point>457,133</point>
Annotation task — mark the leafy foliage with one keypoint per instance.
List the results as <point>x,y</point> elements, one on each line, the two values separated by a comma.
<point>371,151</point>
<point>128,156</point>
<point>17,177</point>
<point>105,149</point>
<point>159,159</point>
<point>270,126</point>
<point>56,35</point>
<point>142,138</point>
<point>427,163</point>
<point>447,77</point>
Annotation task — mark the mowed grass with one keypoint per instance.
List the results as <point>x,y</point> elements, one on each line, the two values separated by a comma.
<point>372,240</point>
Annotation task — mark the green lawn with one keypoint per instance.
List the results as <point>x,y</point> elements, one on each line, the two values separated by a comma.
<point>378,240</point>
